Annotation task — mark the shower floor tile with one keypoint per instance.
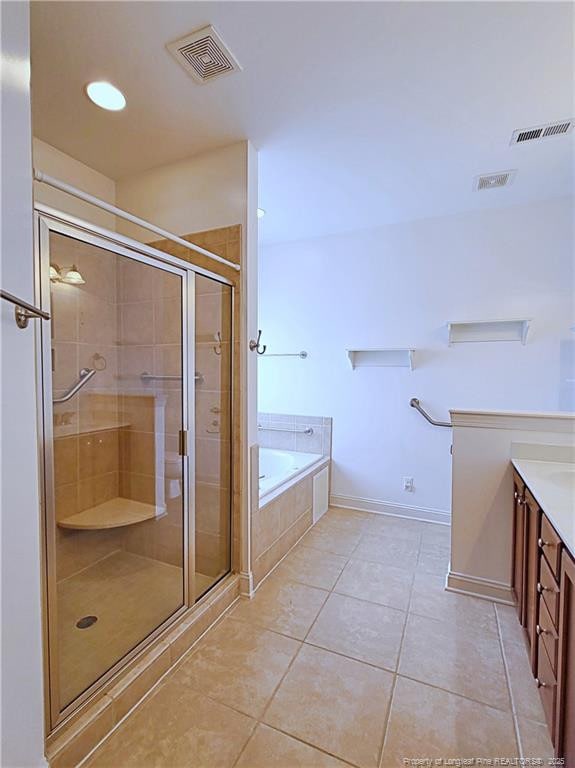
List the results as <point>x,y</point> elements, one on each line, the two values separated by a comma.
<point>129,595</point>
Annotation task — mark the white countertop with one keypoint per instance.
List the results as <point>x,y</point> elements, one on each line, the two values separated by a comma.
<point>553,485</point>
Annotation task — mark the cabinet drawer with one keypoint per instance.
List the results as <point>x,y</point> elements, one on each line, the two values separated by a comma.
<point>547,685</point>
<point>548,633</point>
<point>550,545</point>
<point>549,590</point>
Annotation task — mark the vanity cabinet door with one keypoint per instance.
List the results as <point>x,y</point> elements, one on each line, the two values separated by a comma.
<point>519,540</point>
<point>533,530</point>
<point>565,706</point>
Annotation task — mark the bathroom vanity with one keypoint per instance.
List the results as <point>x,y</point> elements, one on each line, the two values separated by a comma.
<point>544,587</point>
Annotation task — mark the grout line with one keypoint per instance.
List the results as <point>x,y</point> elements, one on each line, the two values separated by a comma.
<point>343,760</point>
<point>396,671</point>
<point>508,681</point>
<point>454,693</point>
<point>386,722</point>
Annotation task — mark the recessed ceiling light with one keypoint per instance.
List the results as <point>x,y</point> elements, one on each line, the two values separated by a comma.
<point>261,213</point>
<point>106,95</point>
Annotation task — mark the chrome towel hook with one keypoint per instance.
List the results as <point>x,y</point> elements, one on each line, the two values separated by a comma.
<point>255,345</point>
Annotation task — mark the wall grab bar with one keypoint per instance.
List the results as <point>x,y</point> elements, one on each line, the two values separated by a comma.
<point>414,402</point>
<point>306,431</point>
<point>145,377</point>
<point>24,311</point>
<point>301,354</point>
<point>85,376</point>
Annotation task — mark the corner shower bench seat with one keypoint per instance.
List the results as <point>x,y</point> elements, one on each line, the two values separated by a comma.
<point>114,513</point>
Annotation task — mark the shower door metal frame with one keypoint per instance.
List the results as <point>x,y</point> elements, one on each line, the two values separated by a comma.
<point>49,220</point>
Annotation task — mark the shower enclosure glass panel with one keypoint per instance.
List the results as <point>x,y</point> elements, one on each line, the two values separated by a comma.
<point>213,352</point>
<point>117,528</point>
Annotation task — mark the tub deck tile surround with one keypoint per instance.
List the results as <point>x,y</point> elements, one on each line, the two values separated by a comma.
<point>329,665</point>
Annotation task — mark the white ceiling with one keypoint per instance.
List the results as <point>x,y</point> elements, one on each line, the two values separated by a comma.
<point>364,114</point>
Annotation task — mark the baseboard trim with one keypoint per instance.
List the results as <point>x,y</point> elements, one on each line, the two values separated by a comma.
<point>426,514</point>
<point>246,583</point>
<point>475,586</point>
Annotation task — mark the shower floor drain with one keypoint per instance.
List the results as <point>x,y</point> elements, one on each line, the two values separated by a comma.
<point>86,621</point>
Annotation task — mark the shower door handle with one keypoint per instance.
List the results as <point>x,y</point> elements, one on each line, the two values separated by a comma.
<point>183,442</point>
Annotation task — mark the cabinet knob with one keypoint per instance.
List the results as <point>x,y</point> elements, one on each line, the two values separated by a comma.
<point>540,631</point>
<point>540,683</point>
<point>541,543</point>
<point>540,588</point>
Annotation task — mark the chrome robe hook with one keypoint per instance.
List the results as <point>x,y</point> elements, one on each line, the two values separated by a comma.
<point>255,345</point>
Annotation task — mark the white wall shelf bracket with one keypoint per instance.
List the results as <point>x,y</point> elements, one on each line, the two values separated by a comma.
<point>464,331</point>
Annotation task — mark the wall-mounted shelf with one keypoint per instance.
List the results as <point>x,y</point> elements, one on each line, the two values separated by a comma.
<point>376,358</point>
<point>111,514</point>
<point>463,331</point>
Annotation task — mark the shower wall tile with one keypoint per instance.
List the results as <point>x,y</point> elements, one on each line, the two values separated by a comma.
<point>65,364</point>
<point>136,281</point>
<point>280,440</point>
<point>319,442</point>
<point>65,460</point>
<point>215,369</point>
<point>167,321</point>
<point>105,360</point>
<point>137,323</point>
<point>64,311</point>
<point>97,320</point>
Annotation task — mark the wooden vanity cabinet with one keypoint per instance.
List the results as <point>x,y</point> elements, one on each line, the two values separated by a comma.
<point>531,578</point>
<point>544,588</point>
<point>519,540</point>
<point>565,704</point>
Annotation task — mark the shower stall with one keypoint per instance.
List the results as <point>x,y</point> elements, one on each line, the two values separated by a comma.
<point>136,382</point>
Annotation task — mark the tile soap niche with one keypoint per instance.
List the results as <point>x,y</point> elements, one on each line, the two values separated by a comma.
<point>376,358</point>
<point>463,331</point>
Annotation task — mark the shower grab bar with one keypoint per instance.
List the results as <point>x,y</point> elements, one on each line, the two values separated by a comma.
<point>85,376</point>
<point>306,431</point>
<point>301,354</point>
<point>145,376</point>
<point>24,311</point>
<point>414,402</point>
<point>44,178</point>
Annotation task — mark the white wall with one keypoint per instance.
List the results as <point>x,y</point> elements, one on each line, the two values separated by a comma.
<point>397,287</point>
<point>56,163</point>
<point>22,697</point>
<point>203,192</point>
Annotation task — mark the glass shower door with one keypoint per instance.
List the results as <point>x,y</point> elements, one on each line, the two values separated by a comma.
<point>213,403</point>
<point>117,527</point>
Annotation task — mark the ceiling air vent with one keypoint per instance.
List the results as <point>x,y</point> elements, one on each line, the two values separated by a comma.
<point>204,55</point>
<point>493,180</point>
<point>542,131</point>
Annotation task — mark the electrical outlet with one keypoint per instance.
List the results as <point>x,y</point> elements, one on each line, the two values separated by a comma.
<point>408,484</point>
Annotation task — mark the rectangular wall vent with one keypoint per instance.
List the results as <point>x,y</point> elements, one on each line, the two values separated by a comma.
<point>204,55</point>
<point>542,131</point>
<point>494,180</point>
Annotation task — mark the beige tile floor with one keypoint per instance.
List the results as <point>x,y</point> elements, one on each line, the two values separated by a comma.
<point>351,653</point>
